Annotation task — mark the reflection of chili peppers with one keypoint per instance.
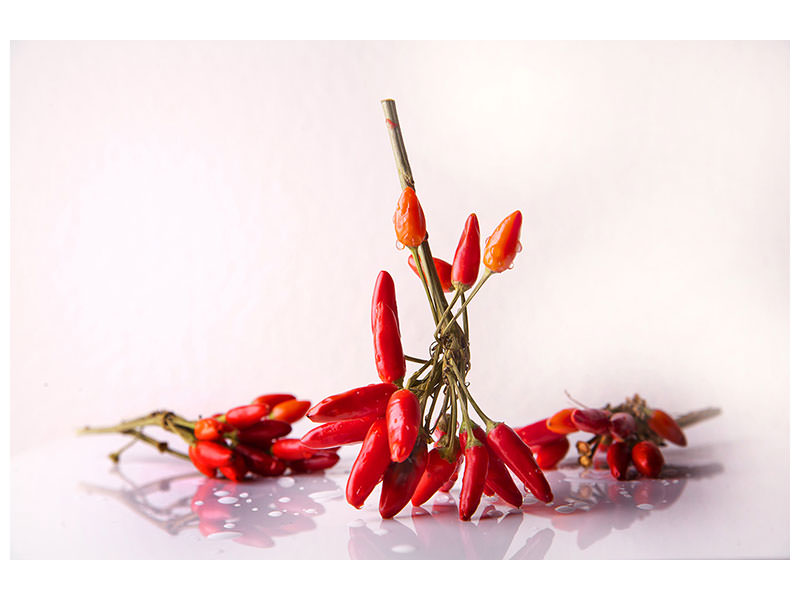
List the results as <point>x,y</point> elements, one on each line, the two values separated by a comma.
<point>389,359</point>
<point>337,433</point>
<point>467,259</point>
<point>370,464</point>
<point>647,458</point>
<point>409,220</point>
<point>368,401</point>
<point>401,479</point>
<point>290,411</point>
<point>476,465</point>
<point>402,424</point>
<point>512,450</point>
<point>443,270</point>
<point>503,245</point>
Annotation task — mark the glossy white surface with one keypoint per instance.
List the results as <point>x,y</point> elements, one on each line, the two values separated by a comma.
<point>68,501</point>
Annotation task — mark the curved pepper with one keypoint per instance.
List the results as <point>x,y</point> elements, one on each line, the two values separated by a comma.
<point>467,259</point>
<point>400,481</point>
<point>409,220</point>
<point>443,270</point>
<point>383,292</point>
<point>437,472</point>
<point>370,464</point>
<point>389,358</point>
<point>245,416</point>
<point>337,433</point>
<point>647,459</point>
<point>519,458</point>
<point>367,401</point>
<point>201,466</point>
<point>538,433</point>
<point>618,458</point>
<point>403,418</point>
<point>498,478</point>
<point>550,454</point>
<point>665,426</point>
<point>591,420</point>
<point>476,465</point>
<point>561,422</point>
<point>263,433</point>
<point>503,245</point>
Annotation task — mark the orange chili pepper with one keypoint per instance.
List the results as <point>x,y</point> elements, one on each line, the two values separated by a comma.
<point>503,245</point>
<point>409,220</point>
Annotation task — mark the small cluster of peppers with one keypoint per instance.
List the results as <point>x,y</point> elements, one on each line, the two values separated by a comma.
<point>394,419</point>
<point>629,433</point>
<point>246,440</point>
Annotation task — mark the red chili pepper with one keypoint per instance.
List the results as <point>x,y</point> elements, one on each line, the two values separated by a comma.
<point>467,259</point>
<point>487,489</point>
<point>213,454</point>
<point>290,449</point>
<point>665,426</point>
<point>245,416</point>
<point>370,464</point>
<point>318,462</point>
<point>647,459</point>
<point>409,220</point>
<point>368,401</point>
<point>618,458</point>
<point>201,466</point>
<point>384,292</point>
<point>437,472</point>
<point>237,470</point>
<point>263,433</point>
<point>443,270</point>
<point>389,358</point>
<point>454,477</point>
<point>270,400</point>
<point>503,245</point>
<point>561,422</point>
<point>512,450</point>
<point>337,433</point>
<point>208,429</point>
<point>402,424</point>
<point>590,420</point>
<point>549,455</point>
<point>260,462</point>
<point>538,433</point>
<point>621,426</point>
<point>475,469</point>
<point>290,411</point>
<point>497,476</point>
<point>400,481</point>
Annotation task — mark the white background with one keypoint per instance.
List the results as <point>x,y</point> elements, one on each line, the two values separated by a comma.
<point>194,224</point>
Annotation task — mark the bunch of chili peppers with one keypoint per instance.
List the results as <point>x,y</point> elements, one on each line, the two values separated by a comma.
<point>249,439</point>
<point>398,418</point>
<point>629,433</point>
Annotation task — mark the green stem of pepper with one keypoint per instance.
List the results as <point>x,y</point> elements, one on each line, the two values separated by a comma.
<point>477,287</point>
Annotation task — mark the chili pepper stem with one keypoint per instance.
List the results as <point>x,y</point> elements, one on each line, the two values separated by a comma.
<point>462,384</point>
<point>414,359</point>
<point>696,416</point>
<point>474,291</point>
<point>459,294</point>
<point>167,420</point>
<point>415,254</point>
<point>114,456</point>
